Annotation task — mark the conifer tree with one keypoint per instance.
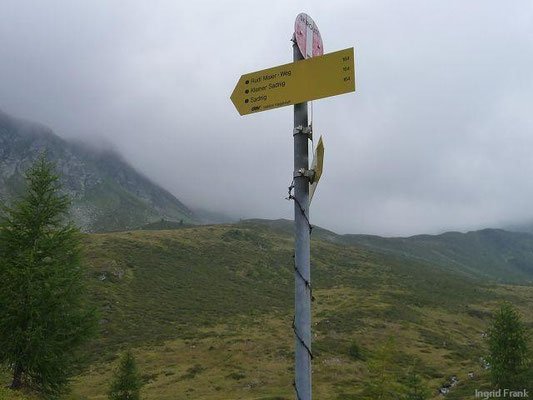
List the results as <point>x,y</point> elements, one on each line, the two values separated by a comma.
<point>127,381</point>
<point>415,387</point>
<point>383,383</point>
<point>509,350</point>
<point>43,317</point>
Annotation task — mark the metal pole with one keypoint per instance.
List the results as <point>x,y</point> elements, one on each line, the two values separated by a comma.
<point>302,315</point>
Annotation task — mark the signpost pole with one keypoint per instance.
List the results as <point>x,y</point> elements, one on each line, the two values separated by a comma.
<point>312,75</point>
<point>302,315</point>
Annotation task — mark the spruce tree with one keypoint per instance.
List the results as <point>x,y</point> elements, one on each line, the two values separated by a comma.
<point>508,347</point>
<point>383,383</point>
<point>43,317</point>
<point>415,387</point>
<point>127,381</point>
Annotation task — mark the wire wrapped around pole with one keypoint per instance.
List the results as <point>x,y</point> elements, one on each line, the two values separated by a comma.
<point>307,283</point>
<point>291,197</point>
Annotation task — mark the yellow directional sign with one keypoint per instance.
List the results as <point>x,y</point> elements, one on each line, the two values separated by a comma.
<point>317,165</point>
<point>297,82</point>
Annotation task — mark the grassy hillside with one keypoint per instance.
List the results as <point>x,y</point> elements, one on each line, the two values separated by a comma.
<point>488,254</point>
<point>492,254</point>
<point>208,310</point>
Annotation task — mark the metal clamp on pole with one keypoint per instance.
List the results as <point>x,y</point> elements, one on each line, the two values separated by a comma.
<point>303,130</point>
<point>308,173</point>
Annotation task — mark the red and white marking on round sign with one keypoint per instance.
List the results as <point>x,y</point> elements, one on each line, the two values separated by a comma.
<point>307,36</point>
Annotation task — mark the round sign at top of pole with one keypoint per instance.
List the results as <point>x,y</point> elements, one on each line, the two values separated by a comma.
<point>307,36</point>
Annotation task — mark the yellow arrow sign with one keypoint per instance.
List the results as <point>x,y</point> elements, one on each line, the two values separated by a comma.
<point>317,165</point>
<point>297,82</point>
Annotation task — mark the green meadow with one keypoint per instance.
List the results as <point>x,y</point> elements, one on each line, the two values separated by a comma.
<point>207,311</point>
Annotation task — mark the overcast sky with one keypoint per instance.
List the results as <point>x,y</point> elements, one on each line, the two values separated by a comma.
<point>438,135</point>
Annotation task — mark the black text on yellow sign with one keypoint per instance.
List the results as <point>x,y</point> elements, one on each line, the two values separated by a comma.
<point>297,82</point>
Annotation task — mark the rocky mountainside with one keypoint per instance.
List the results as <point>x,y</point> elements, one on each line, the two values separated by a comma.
<point>108,194</point>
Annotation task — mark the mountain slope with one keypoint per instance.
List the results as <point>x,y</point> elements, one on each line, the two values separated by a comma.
<point>492,254</point>
<point>488,254</point>
<point>208,310</point>
<point>107,193</point>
